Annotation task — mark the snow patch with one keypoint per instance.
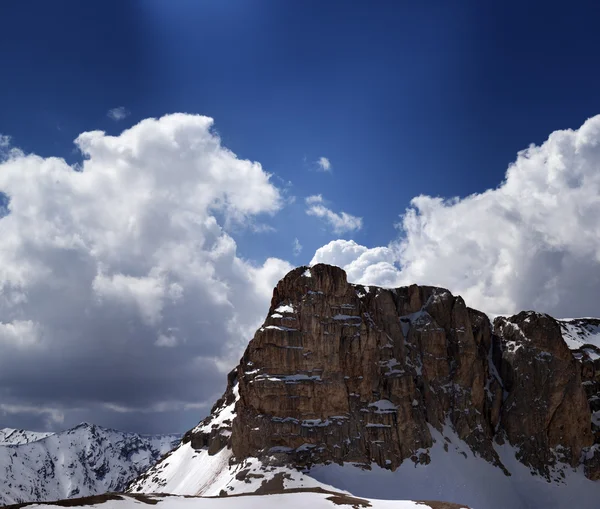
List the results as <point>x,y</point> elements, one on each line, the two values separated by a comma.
<point>286,308</point>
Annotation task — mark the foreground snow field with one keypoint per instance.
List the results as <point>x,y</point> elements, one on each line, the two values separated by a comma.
<point>293,500</point>
<point>454,475</point>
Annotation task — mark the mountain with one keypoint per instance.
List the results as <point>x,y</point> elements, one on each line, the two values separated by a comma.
<point>10,436</point>
<point>82,461</point>
<point>402,393</point>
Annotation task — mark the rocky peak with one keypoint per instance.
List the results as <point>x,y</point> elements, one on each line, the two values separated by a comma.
<point>349,373</point>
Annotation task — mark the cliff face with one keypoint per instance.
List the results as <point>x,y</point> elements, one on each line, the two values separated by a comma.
<point>347,373</point>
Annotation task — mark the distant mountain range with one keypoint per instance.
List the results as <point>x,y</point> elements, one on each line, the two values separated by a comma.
<point>85,460</point>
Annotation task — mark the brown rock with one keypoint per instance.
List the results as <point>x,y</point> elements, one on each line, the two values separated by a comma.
<point>341,372</point>
<point>546,412</point>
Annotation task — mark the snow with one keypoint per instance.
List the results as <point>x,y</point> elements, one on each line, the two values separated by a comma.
<point>383,406</point>
<point>390,365</point>
<point>189,472</point>
<point>287,378</point>
<point>287,308</point>
<point>10,436</point>
<point>307,273</point>
<point>579,332</point>
<point>417,318</point>
<point>192,472</point>
<point>294,500</point>
<point>226,413</point>
<point>459,476</point>
<point>82,461</point>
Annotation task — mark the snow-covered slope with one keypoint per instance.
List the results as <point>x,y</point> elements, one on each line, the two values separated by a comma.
<point>582,334</point>
<point>454,474</point>
<point>10,436</point>
<point>85,460</point>
<point>294,500</point>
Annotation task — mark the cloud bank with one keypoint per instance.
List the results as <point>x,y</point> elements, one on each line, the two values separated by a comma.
<point>531,243</point>
<point>122,298</point>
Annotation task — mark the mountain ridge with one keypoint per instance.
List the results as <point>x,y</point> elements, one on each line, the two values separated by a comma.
<point>84,460</point>
<point>380,379</point>
<point>13,436</point>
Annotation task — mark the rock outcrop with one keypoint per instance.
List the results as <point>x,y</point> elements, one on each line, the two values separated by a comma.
<point>348,373</point>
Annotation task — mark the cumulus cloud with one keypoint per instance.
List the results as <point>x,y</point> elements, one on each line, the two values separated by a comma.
<point>531,243</point>
<point>117,114</point>
<point>375,266</point>
<point>119,286</point>
<point>340,222</point>
<point>324,164</point>
<point>296,247</point>
<point>4,140</point>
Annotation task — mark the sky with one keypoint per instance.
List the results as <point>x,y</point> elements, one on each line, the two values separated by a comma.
<point>164,164</point>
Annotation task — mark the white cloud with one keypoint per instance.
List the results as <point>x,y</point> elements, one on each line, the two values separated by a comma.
<point>363,265</point>
<point>296,247</point>
<point>314,199</point>
<point>531,243</point>
<point>117,114</point>
<point>324,164</point>
<point>340,222</point>
<point>4,140</point>
<point>123,272</point>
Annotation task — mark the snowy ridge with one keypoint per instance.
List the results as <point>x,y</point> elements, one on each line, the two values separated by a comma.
<point>82,461</point>
<point>195,472</point>
<point>10,436</point>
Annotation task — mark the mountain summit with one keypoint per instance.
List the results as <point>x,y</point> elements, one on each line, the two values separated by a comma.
<point>400,393</point>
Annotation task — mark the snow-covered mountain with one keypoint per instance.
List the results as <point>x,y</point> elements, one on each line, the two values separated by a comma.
<point>10,436</point>
<point>85,460</point>
<point>400,394</point>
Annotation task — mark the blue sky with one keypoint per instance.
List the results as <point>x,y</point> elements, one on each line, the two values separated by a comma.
<point>151,268</point>
<point>403,98</point>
